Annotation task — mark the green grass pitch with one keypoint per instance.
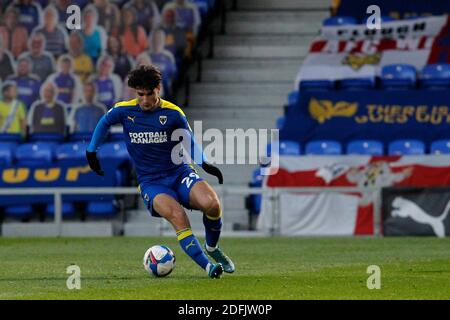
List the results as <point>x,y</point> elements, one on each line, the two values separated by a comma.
<point>266,268</point>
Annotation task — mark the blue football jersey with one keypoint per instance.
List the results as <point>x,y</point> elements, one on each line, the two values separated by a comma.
<point>148,136</point>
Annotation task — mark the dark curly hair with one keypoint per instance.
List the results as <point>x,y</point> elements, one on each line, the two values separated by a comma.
<point>146,77</point>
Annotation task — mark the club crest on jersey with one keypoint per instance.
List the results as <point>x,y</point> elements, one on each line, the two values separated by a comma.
<point>163,119</point>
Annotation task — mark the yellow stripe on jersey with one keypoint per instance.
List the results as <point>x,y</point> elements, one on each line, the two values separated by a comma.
<point>184,234</point>
<point>129,103</point>
<point>168,105</point>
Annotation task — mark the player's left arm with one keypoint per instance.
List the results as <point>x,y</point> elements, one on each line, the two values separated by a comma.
<point>99,135</point>
<point>199,156</point>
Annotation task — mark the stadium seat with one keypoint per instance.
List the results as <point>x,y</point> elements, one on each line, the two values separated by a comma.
<point>117,155</point>
<point>280,122</point>
<point>114,150</point>
<point>406,147</point>
<point>19,211</point>
<point>365,147</point>
<point>339,21</point>
<point>35,153</point>
<point>285,147</point>
<point>357,83</point>
<point>435,76</point>
<point>398,76</point>
<point>68,210</point>
<point>101,208</point>
<point>316,85</point>
<point>7,153</point>
<point>323,147</point>
<point>10,137</point>
<point>50,136</point>
<point>440,147</point>
<point>31,155</point>
<point>71,151</point>
<point>289,148</point>
<point>293,98</point>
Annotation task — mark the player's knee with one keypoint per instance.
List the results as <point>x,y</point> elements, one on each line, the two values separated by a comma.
<point>213,207</point>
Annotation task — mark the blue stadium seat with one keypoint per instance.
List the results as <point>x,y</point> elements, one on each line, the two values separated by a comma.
<point>35,153</point>
<point>285,147</point>
<point>435,76</point>
<point>114,150</point>
<point>19,211</point>
<point>101,209</point>
<point>7,153</point>
<point>71,151</point>
<point>47,136</point>
<point>406,147</point>
<point>68,210</point>
<point>289,148</point>
<point>323,147</point>
<point>11,137</point>
<point>75,153</point>
<point>339,21</point>
<point>357,83</point>
<point>365,147</point>
<point>30,155</point>
<point>280,122</point>
<point>316,85</point>
<point>440,147</point>
<point>293,98</point>
<point>398,76</point>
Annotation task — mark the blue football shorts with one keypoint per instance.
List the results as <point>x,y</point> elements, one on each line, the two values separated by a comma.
<point>177,185</point>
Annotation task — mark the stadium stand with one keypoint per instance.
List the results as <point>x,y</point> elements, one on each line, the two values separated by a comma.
<point>248,75</point>
<point>318,112</point>
<point>60,103</point>
<point>392,77</point>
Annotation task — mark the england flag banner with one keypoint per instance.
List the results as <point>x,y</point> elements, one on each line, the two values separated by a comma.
<point>343,213</point>
<point>354,51</point>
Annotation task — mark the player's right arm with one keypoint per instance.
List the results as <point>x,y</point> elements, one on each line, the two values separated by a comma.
<point>100,133</point>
